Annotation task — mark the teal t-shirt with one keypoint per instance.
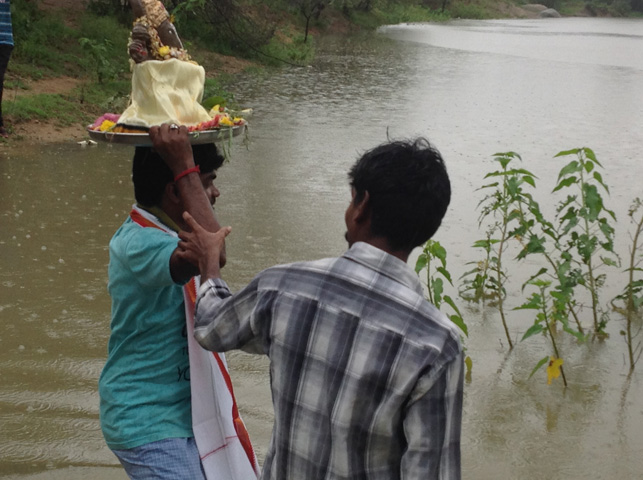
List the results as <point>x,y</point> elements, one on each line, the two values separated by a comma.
<point>145,384</point>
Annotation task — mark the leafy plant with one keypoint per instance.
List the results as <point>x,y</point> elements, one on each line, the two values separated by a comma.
<point>502,205</point>
<point>98,51</point>
<point>431,252</point>
<point>632,294</point>
<point>545,323</point>
<point>584,224</point>
<point>477,283</point>
<point>434,253</point>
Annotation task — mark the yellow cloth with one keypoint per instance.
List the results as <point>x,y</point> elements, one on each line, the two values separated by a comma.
<point>168,91</point>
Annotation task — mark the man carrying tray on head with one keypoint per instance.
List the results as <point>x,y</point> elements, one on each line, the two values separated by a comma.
<point>166,406</point>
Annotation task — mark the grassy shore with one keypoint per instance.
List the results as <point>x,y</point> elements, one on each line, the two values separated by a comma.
<point>70,63</point>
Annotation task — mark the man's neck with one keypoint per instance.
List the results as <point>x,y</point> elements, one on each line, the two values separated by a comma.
<point>159,213</point>
<point>382,244</point>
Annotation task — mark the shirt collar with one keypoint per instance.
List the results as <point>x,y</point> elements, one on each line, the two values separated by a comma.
<point>384,263</point>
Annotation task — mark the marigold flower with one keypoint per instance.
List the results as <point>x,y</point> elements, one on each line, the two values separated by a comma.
<point>106,125</point>
<point>226,122</point>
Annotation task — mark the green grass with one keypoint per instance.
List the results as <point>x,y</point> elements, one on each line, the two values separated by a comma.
<point>293,50</point>
<point>45,107</point>
<point>46,48</point>
<point>111,96</point>
<point>396,13</point>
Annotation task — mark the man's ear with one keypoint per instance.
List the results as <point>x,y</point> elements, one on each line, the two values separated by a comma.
<point>172,193</point>
<point>362,211</point>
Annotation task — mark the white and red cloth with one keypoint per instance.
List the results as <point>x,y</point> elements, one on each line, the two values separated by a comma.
<point>220,434</point>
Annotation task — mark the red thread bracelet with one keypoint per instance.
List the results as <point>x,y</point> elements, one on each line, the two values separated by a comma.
<point>187,172</point>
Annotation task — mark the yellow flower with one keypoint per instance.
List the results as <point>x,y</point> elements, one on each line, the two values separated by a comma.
<point>553,369</point>
<point>106,125</point>
<point>226,122</point>
<point>164,50</point>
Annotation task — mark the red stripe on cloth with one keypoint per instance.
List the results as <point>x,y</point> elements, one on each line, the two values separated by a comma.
<point>239,426</point>
<point>142,221</point>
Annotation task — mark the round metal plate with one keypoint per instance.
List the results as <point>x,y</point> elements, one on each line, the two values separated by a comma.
<point>143,139</point>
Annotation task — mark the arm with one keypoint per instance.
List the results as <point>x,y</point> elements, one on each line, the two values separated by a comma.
<point>433,423</point>
<point>174,146</point>
<point>222,321</point>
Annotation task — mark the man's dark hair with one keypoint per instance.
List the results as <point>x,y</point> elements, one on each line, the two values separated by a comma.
<point>409,190</point>
<point>150,174</point>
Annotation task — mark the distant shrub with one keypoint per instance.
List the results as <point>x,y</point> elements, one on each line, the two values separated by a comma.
<point>467,10</point>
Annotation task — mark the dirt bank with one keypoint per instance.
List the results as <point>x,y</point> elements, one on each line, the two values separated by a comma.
<point>49,131</point>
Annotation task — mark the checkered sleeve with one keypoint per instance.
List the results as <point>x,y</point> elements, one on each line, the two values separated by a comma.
<point>223,321</point>
<point>432,424</point>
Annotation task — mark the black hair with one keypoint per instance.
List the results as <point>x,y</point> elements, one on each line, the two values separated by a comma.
<point>409,190</point>
<point>150,174</point>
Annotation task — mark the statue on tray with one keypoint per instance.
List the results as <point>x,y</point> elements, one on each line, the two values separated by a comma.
<point>153,36</point>
<point>167,85</point>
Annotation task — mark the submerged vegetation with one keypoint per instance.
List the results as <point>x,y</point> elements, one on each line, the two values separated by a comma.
<point>572,256</point>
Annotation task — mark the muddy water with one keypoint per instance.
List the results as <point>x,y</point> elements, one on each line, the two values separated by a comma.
<point>474,88</point>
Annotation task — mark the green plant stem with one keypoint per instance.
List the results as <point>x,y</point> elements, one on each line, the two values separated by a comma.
<point>569,304</point>
<point>553,265</point>
<point>553,340</point>
<point>576,319</point>
<point>592,287</point>
<point>630,294</point>
<point>590,269</point>
<point>428,282</point>
<point>499,279</point>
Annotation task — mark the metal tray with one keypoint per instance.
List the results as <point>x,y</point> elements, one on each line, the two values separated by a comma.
<point>143,139</point>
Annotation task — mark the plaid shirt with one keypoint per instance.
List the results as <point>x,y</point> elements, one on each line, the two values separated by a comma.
<point>366,375</point>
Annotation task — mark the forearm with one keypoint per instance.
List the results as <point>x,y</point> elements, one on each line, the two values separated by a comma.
<point>173,144</point>
<point>195,201</point>
<point>194,198</point>
<point>224,321</point>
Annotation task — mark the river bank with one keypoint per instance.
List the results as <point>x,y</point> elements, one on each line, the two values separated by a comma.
<point>51,131</point>
<point>42,129</point>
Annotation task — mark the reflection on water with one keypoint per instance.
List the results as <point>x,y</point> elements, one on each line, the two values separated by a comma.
<point>285,197</point>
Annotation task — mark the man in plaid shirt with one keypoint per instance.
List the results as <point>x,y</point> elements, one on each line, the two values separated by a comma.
<point>366,375</point>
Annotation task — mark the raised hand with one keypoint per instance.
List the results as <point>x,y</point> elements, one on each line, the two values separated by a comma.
<point>202,248</point>
<point>173,144</point>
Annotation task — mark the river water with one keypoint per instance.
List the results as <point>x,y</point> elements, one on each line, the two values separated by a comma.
<point>473,88</point>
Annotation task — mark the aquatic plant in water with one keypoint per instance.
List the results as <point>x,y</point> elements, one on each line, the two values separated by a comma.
<point>585,224</point>
<point>578,248</point>
<point>487,280</point>
<point>433,252</point>
<point>632,294</point>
